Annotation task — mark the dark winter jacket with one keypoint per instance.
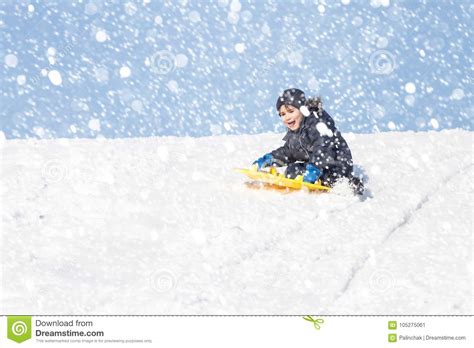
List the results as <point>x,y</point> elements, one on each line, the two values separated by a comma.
<point>317,141</point>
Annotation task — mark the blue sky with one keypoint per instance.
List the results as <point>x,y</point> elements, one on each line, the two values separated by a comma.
<point>93,68</point>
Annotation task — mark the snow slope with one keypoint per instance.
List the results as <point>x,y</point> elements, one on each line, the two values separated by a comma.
<point>163,225</point>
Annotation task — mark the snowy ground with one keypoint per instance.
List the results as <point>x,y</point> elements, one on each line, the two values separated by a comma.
<point>163,225</point>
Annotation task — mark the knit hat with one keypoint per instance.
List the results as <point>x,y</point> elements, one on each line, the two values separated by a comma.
<point>292,96</point>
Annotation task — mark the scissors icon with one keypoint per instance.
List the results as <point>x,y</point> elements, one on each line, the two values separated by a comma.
<point>315,322</point>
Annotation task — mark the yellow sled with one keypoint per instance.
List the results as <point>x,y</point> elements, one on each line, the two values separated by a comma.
<point>274,179</point>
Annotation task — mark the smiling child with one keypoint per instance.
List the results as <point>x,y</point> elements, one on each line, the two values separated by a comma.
<point>314,147</point>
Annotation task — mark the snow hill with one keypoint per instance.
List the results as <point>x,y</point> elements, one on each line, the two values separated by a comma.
<point>163,225</point>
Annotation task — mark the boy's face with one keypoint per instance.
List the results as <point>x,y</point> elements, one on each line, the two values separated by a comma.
<point>290,116</point>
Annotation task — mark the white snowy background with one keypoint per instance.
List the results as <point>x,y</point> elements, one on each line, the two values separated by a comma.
<point>156,225</point>
<point>121,122</point>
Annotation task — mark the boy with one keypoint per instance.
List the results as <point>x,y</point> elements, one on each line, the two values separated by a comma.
<point>313,147</point>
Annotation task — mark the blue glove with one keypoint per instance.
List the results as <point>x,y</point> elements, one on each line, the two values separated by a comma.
<point>264,161</point>
<point>311,174</point>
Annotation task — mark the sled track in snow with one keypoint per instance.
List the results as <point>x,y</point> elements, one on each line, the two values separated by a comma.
<point>269,243</point>
<point>407,218</point>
